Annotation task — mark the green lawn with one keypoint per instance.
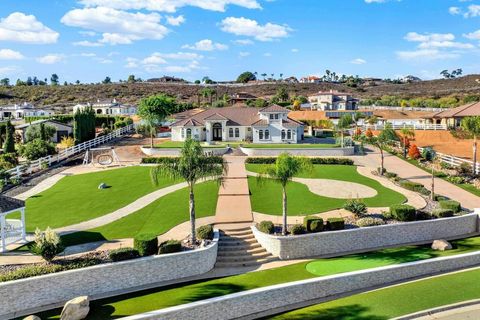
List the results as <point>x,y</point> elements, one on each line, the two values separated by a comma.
<point>77,198</point>
<point>154,299</point>
<point>290,146</point>
<point>157,218</point>
<point>179,144</point>
<point>267,197</point>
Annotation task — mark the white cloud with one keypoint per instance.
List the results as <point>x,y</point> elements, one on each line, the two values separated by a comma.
<point>358,61</point>
<point>243,54</point>
<point>375,1</point>
<point>473,35</point>
<point>454,10</point>
<point>87,44</point>
<point>473,11</point>
<point>251,28</point>
<point>175,21</point>
<point>295,50</point>
<point>171,5</point>
<point>8,54</point>
<point>243,42</point>
<point>267,54</point>
<point>161,62</point>
<point>50,58</point>
<point>446,44</point>
<point>432,42</point>
<point>87,33</point>
<point>206,45</point>
<point>4,71</point>
<point>88,55</point>
<point>116,26</point>
<point>19,27</point>
<point>131,63</point>
<point>416,37</point>
<point>426,55</point>
<point>155,58</point>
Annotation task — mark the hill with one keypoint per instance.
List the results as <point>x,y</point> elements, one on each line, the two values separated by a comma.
<point>63,97</point>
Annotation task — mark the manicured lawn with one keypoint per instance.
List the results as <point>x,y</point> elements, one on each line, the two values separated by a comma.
<point>290,146</point>
<point>397,300</point>
<point>179,144</point>
<point>157,218</point>
<point>154,299</point>
<point>77,198</point>
<point>267,197</point>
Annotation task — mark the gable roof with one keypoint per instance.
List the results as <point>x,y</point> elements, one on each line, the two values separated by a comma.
<point>216,116</point>
<point>275,108</point>
<point>26,125</point>
<point>238,115</point>
<point>467,110</point>
<point>8,204</point>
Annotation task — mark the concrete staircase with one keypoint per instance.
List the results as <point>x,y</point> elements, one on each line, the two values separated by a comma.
<point>239,248</point>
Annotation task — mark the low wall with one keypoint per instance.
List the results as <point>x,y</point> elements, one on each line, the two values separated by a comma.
<point>308,152</point>
<point>279,298</point>
<point>20,297</point>
<point>176,151</point>
<point>369,238</point>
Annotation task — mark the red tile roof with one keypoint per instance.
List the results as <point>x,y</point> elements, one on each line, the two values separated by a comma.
<point>274,108</point>
<point>468,110</point>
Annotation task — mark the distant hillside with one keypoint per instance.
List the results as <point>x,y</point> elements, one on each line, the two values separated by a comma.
<point>63,97</point>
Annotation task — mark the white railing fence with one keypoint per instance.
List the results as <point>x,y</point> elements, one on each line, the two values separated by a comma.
<point>47,161</point>
<point>409,126</point>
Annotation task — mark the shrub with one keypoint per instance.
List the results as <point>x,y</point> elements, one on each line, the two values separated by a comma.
<point>403,212</point>
<point>297,229</point>
<point>438,197</point>
<point>428,153</point>
<point>335,224</point>
<point>414,186</point>
<point>390,175</point>
<point>369,221</point>
<point>456,179</point>
<point>271,160</point>
<point>413,152</point>
<point>313,224</point>
<point>47,244</point>
<point>453,205</point>
<point>123,254</point>
<point>355,206</point>
<point>205,232</point>
<point>465,170</point>
<point>145,244</point>
<point>442,213</point>
<point>381,171</point>
<point>170,246</point>
<point>266,227</point>
<point>36,149</point>
<point>31,271</point>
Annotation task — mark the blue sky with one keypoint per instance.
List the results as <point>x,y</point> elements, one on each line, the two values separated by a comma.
<point>91,39</point>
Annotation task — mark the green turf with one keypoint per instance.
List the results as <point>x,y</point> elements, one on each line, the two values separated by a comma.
<point>267,197</point>
<point>157,217</point>
<point>179,144</point>
<point>397,300</point>
<point>154,299</point>
<point>290,146</point>
<point>77,198</point>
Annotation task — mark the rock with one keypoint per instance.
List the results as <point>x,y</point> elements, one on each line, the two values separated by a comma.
<point>102,186</point>
<point>76,309</point>
<point>441,245</point>
<point>32,317</point>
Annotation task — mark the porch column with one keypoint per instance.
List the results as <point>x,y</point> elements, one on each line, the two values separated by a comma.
<point>24,234</point>
<point>2,233</point>
<point>208,132</point>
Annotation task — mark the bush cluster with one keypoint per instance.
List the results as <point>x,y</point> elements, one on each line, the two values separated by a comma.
<point>335,224</point>
<point>442,213</point>
<point>414,186</point>
<point>205,232</point>
<point>161,160</point>
<point>271,160</point>
<point>355,206</point>
<point>297,229</point>
<point>122,254</point>
<point>313,224</point>
<point>403,212</point>
<point>390,175</point>
<point>47,244</point>
<point>170,246</point>
<point>145,244</point>
<point>453,205</point>
<point>456,179</point>
<point>369,222</point>
<point>266,227</point>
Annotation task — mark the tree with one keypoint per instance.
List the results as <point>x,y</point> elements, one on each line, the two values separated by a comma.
<point>208,93</point>
<point>386,136</point>
<point>344,123</point>
<point>36,149</point>
<point>84,125</point>
<point>263,76</point>
<point>54,79</point>
<point>414,152</point>
<point>357,116</point>
<point>472,126</point>
<point>107,80</point>
<point>5,82</point>
<point>282,94</point>
<point>131,79</point>
<point>9,144</point>
<point>407,134</point>
<point>246,77</point>
<point>283,171</point>
<point>192,166</point>
<point>154,109</point>
<point>39,131</point>
<point>29,81</point>
<point>77,82</point>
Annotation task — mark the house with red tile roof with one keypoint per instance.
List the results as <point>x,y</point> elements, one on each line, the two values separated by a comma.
<point>240,123</point>
<point>453,117</point>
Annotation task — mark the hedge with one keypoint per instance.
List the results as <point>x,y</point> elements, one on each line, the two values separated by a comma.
<point>170,246</point>
<point>414,186</point>
<point>205,232</point>
<point>271,160</point>
<point>403,212</point>
<point>122,254</point>
<point>297,229</point>
<point>453,205</point>
<point>146,244</point>
<point>442,213</point>
<point>266,227</point>
<point>161,160</point>
<point>335,224</point>
<point>313,224</point>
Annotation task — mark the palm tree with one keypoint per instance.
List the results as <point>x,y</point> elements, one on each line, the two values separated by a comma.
<point>472,126</point>
<point>192,166</point>
<point>356,117</point>
<point>382,140</point>
<point>344,123</point>
<point>284,169</point>
<point>407,133</point>
<point>263,75</point>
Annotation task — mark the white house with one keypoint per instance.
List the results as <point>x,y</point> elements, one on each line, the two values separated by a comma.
<point>332,100</point>
<point>62,129</point>
<point>21,111</point>
<point>267,125</point>
<point>108,107</point>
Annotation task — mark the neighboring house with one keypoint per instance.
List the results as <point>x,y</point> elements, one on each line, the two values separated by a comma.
<point>332,100</point>
<point>453,117</point>
<point>186,114</point>
<point>291,80</point>
<point>167,79</point>
<point>16,111</point>
<point>62,130</point>
<point>410,78</point>
<point>311,79</point>
<point>241,97</point>
<point>108,107</point>
<point>267,125</point>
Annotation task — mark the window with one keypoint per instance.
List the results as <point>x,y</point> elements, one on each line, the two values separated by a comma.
<point>230,132</point>
<point>276,116</point>
<point>183,133</point>
<point>271,117</point>
<point>283,134</point>
<point>267,134</point>
<point>260,134</point>
<point>289,134</point>
<point>237,133</point>
<point>189,133</point>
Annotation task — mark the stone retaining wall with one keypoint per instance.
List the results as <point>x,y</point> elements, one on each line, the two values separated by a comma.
<point>279,298</point>
<point>175,152</point>
<point>21,296</point>
<point>369,238</point>
<point>307,152</point>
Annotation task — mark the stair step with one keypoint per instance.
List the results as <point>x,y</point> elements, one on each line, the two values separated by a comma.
<point>236,242</point>
<point>236,233</point>
<point>241,251</point>
<point>244,264</point>
<point>243,258</point>
<point>236,229</point>
<point>239,247</point>
<point>231,238</point>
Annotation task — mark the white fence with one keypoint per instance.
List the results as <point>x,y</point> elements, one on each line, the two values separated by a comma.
<point>41,163</point>
<point>454,161</point>
<point>425,126</point>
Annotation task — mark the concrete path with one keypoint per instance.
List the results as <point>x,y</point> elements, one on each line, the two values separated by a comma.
<point>408,171</point>
<point>233,204</point>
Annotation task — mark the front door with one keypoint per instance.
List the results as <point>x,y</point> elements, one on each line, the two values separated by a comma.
<point>217,132</point>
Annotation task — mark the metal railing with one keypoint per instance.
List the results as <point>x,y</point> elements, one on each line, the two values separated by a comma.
<point>47,161</point>
<point>425,126</point>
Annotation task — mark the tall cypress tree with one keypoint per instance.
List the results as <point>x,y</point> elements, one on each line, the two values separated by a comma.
<point>9,144</point>
<point>84,125</point>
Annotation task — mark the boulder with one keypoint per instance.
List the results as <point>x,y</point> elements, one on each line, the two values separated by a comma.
<point>32,317</point>
<point>76,309</point>
<point>102,185</point>
<point>441,245</point>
